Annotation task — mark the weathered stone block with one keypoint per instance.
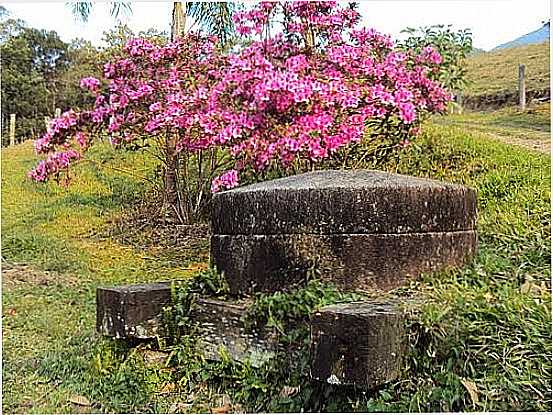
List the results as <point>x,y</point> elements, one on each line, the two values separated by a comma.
<point>356,344</point>
<point>220,324</point>
<point>359,229</point>
<point>131,311</point>
<point>361,344</point>
<point>135,312</point>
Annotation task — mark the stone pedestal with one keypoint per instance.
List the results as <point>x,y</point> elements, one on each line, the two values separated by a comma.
<point>357,229</point>
<point>360,230</point>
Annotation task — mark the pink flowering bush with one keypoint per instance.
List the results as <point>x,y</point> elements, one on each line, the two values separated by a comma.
<point>151,97</point>
<point>310,91</point>
<point>304,94</point>
<point>53,164</point>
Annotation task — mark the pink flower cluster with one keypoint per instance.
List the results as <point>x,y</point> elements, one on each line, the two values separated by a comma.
<point>58,131</point>
<point>90,83</point>
<point>430,55</point>
<point>53,165</point>
<point>304,93</point>
<point>153,90</point>
<point>227,180</point>
<point>283,99</point>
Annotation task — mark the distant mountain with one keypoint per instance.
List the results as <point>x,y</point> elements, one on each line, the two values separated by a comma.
<point>538,36</point>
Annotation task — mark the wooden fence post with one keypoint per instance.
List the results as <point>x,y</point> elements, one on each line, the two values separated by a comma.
<point>457,104</point>
<point>459,98</point>
<point>521,87</point>
<point>12,129</point>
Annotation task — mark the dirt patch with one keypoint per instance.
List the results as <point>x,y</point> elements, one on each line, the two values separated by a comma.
<point>523,137</point>
<point>143,228</point>
<point>175,244</point>
<point>541,146</point>
<point>16,275</point>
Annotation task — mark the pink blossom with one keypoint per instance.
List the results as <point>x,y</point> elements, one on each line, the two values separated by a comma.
<point>430,55</point>
<point>81,139</point>
<point>282,98</point>
<point>156,106</point>
<point>54,164</point>
<point>227,180</point>
<point>407,112</point>
<point>90,83</point>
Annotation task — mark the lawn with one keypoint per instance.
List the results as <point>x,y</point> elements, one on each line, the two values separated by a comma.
<point>70,232</point>
<point>496,72</point>
<point>481,341</point>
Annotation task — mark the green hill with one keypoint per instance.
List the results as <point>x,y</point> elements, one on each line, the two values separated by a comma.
<point>497,71</point>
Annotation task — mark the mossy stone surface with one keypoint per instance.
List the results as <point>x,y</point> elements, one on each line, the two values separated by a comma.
<point>344,202</point>
<point>359,229</point>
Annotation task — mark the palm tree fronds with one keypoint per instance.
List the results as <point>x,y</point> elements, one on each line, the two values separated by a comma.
<point>120,8</point>
<point>81,10</point>
<point>215,16</point>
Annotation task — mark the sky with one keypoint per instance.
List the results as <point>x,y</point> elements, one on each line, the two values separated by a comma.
<point>492,22</point>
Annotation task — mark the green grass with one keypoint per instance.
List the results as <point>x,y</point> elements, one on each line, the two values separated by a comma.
<point>59,229</point>
<point>535,122</point>
<point>496,72</point>
<point>488,325</point>
<point>491,322</point>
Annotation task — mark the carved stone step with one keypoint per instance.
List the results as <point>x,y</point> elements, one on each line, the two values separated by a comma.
<point>131,311</point>
<point>220,324</point>
<point>135,312</point>
<point>358,344</point>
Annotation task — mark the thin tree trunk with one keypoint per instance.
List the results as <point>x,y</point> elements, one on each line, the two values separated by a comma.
<point>179,20</point>
<point>171,190</point>
<point>171,179</point>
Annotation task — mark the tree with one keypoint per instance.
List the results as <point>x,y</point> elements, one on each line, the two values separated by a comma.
<point>83,60</point>
<point>82,9</point>
<point>148,77</point>
<point>453,46</point>
<point>303,95</point>
<point>215,18</point>
<point>32,60</point>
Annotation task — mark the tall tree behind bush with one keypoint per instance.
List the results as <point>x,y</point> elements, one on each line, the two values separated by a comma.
<point>453,46</point>
<point>31,62</point>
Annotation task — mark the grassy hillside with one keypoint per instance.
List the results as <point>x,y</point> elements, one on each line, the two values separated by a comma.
<point>482,341</point>
<point>494,72</point>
